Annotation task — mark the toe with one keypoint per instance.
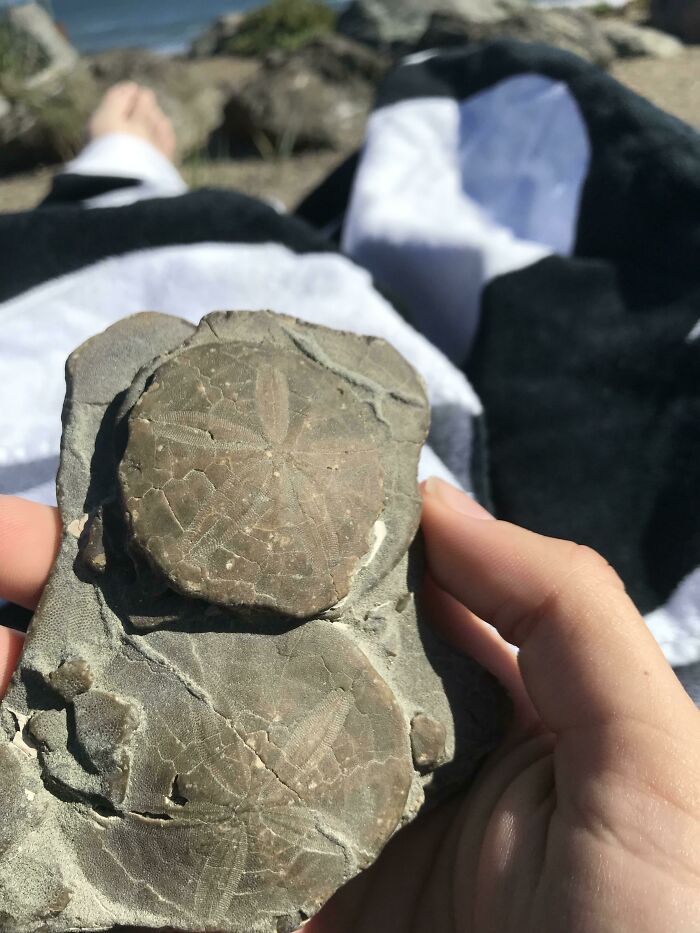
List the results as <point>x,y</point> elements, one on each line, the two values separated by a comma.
<point>145,105</point>
<point>121,97</point>
<point>166,136</point>
<point>114,109</point>
<point>154,124</point>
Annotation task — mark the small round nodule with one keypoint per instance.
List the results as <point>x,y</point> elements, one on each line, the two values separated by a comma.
<point>252,477</point>
<point>427,742</point>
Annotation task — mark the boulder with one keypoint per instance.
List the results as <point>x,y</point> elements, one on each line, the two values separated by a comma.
<point>277,24</point>
<point>48,93</point>
<point>337,59</point>
<point>630,40</point>
<point>680,17</point>
<point>213,39</point>
<point>398,24</point>
<point>45,126</point>
<point>40,51</point>
<point>315,98</point>
<point>575,31</point>
<point>193,105</point>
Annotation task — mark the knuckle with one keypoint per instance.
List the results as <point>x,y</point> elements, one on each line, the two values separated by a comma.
<point>587,561</point>
<point>579,566</point>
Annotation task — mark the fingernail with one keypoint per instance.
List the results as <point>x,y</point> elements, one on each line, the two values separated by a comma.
<point>454,498</point>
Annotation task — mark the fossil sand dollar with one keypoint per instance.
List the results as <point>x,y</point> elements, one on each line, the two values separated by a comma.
<point>274,791</point>
<point>252,477</point>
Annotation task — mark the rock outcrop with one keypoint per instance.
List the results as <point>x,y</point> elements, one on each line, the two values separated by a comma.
<point>39,43</point>
<point>574,31</point>
<point>316,98</point>
<point>630,40</point>
<point>214,39</point>
<point>399,24</point>
<point>47,90</point>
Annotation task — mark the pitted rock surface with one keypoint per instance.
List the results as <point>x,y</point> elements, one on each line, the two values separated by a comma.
<point>200,754</point>
<point>253,477</point>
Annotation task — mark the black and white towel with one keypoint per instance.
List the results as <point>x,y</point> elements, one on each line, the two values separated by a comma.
<point>537,227</point>
<point>541,225</point>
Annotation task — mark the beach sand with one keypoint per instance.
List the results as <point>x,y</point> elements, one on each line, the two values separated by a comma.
<point>672,84</point>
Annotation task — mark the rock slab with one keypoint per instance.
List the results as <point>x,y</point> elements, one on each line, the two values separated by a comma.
<point>194,756</point>
<point>317,97</point>
<point>576,31</point>
<point>47,92</point>
<point>631,40</point>
<point>399,24</point>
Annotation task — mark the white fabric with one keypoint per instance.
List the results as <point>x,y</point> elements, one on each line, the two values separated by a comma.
<point>449,195</point>
<point>41,327</point>
<point>125,156</point>
<point>676,626</point>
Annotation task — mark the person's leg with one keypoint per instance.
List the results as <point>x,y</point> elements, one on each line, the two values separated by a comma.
<point>129,155</point>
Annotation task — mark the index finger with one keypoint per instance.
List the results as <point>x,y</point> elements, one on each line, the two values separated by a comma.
<point>586,655</point>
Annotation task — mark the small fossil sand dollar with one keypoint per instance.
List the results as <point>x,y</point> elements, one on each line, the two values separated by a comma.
<point>242,792</point>
<point>252,477</point>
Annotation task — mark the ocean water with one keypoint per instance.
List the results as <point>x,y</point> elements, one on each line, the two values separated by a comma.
<point>167,25</point>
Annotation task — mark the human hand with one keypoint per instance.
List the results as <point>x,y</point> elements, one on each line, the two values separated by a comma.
<point>588,817</point>
<point>29,538</point>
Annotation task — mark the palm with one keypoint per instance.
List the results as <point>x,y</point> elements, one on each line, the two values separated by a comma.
<point>581,840</point>
<point>548,839</point>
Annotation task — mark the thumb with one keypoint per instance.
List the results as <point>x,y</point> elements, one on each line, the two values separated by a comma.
<point>586,655</point>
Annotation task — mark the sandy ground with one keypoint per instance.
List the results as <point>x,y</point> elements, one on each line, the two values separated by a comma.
<point>284,180</point>
<point>672,84</point>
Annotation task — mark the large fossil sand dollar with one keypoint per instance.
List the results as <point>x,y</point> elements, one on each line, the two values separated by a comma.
<point>252,477</point>
<point>244,793</point>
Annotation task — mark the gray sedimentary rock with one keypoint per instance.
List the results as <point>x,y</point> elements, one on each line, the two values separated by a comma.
<point>35,35</point>
<point>576,31</point>
<point>316,97</point>
<point>213,39</point>
<point>633,41</point>
<point>399,24</point>
<point>47,93</point>
<point>227,762</point>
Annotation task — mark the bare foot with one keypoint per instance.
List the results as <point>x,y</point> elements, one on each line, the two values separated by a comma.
<point>128,108</point>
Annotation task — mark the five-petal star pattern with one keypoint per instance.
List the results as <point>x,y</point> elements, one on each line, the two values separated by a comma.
<point>253,477</point>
